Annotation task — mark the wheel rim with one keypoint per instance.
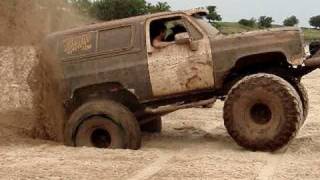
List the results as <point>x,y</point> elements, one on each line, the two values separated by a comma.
<point>100,138</point>
<point>100,132</point>
<point>261,113</point>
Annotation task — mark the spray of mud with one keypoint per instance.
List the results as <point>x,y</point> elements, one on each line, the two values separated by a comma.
<point>26,23</point>
<point>46,85</point>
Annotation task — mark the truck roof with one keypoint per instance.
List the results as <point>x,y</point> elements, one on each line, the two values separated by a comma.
<point>131,20</point>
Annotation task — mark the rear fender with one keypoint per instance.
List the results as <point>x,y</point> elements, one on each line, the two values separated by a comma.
<point>113,91</point>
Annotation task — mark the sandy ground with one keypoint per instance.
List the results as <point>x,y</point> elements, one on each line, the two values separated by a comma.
<point>193,145</point>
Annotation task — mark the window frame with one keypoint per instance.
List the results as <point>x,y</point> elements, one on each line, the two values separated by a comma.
<point>131,41</point>
<point>185,17</point>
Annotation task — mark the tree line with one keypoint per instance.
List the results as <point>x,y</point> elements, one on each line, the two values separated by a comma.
<point>266,22</point>
<point>115,9</point>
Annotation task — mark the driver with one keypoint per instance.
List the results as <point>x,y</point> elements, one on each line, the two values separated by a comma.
<point>158,35</point>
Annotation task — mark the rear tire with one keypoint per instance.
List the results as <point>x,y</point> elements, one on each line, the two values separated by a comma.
<point>103,119</point>
<point>154,126</point>
<point>263,112</point>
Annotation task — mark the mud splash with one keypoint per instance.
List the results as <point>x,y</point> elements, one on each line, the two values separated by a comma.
<point>27,22</point>
<point>29,82</point>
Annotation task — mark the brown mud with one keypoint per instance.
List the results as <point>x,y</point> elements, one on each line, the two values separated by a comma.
<point>47,101</point>
<point>27,22</point>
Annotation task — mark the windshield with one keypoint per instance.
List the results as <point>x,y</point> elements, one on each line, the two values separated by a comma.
<point>201,21</point>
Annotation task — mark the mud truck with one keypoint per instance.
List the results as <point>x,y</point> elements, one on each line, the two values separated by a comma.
<point>103,84</point>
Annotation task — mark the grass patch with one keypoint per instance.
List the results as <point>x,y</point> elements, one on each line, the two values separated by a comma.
<point>234,27</point>
<point>311,34</point>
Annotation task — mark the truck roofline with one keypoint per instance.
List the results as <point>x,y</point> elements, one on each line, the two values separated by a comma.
<point>134,19</point>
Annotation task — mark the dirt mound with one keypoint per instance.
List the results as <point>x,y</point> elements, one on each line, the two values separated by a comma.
<point>28,103</point>
<point>16,96</point>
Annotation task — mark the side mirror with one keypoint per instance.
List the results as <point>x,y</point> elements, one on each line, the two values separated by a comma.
<point>182,38</point>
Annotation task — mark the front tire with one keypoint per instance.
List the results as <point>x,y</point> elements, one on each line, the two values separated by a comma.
<point>263,112</point>
<point>103,124</point>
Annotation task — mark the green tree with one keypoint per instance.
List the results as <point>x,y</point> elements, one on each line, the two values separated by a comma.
<point>248,22</point>
<point>117,9</point>
<point>265,22</point>
<point>213,14</point>
<point>83,6</point>
<point>315,21</point>
<point>291,21</point>
<point>159,7</point>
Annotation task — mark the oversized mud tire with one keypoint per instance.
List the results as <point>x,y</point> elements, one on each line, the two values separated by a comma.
<point>263,112</point>
<point>154,126</point>
<point>103,124</point>
<point>298,86</point>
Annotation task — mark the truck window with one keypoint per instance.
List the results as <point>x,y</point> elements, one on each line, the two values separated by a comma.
<point>115,39</point>
<point>172,26</point>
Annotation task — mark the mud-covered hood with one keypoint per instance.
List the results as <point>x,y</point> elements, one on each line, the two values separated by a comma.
<point>268,31</point>
<point>227,51</point>
<point>287,40</point>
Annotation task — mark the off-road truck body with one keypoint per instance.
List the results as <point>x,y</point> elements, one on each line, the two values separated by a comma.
<point>99,82</point>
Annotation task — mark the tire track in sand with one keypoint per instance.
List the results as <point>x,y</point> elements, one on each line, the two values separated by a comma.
<point>154,167</point>
<point>270,168</point>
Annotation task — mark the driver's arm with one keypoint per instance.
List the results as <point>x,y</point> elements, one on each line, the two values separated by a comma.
<point>160,44</point>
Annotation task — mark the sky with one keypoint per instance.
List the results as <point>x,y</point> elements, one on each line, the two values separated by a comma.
<point>233,10</point>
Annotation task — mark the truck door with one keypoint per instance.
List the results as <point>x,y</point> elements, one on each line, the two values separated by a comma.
<point>179,67</point>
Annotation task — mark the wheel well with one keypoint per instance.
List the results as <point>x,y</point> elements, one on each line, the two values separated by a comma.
<point>265,62</point>
<point>113,91</point>
<point>260,61</point>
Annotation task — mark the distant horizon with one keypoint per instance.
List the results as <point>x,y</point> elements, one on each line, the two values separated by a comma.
<point>234,10</point>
